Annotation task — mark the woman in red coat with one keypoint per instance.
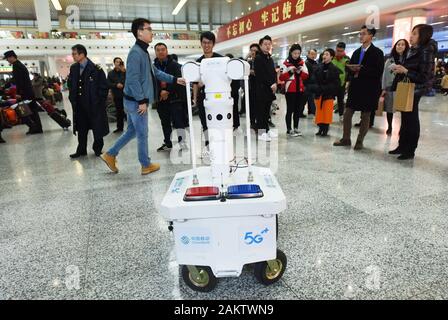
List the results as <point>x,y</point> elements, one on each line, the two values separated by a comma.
<point>294,73</point>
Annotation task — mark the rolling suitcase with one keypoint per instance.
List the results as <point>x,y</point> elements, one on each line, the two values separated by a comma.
<point>60,119</point>
<point>59,116</point>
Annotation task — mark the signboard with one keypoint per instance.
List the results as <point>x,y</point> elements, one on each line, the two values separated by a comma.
<point>275,14</point>
<point>5,69</point>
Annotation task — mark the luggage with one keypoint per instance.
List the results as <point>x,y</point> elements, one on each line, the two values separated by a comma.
<point>47,106</point>
<point>10,116</point>
<point>59,116</point>
<point>58,96</point>
<point>60,119</point>
<point>23,110</point>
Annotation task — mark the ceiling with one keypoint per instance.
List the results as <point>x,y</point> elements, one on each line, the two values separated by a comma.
<point>215,12</point>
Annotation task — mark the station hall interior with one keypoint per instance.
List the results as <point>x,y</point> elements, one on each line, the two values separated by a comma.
<point>351,221</point>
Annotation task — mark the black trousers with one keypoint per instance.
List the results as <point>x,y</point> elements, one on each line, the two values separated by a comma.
<point>253,106</point>
<point>410,129</point>
<point>171,114</point>
<point>118,101</point>
<point>236,115</point>
<point>33,121</point>
<point>311,104</point>
<point>83,124</point>
<point>263,109</point>
<point>295,102</point>
<point>202,117</point>
<point>340,98</point>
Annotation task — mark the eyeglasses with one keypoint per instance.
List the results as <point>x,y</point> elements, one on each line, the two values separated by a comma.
<point>147,28</point>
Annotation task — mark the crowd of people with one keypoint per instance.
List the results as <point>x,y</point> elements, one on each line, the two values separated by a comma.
<point>21,88</point>
<point>366,78</point>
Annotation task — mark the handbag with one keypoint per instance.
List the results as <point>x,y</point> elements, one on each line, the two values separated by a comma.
<point>379,111</point>
<point>9,116</point>
<point>23,110</point>
<point>404,96</point>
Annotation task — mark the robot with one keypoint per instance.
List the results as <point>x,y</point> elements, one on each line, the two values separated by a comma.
<point>223,216</point>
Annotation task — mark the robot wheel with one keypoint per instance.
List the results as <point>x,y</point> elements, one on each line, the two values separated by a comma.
<point>269,272</point>
<point>199,278</point>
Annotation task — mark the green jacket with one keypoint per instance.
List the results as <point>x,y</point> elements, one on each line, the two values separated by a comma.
<point>341,65</point>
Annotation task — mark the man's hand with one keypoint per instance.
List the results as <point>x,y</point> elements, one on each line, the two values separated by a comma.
<point>274,88</point>
<point>164,95</point>
<point>181,81</point>
<point>120,86</point>
<point>142,109</point>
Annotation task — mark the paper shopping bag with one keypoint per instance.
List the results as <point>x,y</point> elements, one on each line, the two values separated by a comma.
<point>380,109</point>
<point>404,96</point>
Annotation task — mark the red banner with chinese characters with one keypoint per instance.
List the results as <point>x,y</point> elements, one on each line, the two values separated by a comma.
<point>277,13</point>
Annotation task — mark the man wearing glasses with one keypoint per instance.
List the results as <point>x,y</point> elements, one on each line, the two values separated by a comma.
<point>366,65</point>
<point>139,91</point>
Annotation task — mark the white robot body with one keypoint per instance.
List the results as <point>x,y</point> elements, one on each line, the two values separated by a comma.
<point>230,221</point>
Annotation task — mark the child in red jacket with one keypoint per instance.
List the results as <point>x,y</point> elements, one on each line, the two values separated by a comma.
<point>294,73</point>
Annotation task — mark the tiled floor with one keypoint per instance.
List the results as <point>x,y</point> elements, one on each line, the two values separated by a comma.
<point>359,225</point>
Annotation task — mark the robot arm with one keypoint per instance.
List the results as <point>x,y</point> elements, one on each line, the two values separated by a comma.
<point>238,69</point>
<point>191,72</point>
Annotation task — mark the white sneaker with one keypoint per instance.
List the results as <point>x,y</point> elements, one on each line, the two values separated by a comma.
<point>292,133</point>
<point>205,155</point>
<point>272,134</point>
<point>296,131</point>
<point>264,137</point>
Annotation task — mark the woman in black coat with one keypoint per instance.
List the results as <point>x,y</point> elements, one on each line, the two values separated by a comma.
<point>326,85</point>
<point>418,67</point>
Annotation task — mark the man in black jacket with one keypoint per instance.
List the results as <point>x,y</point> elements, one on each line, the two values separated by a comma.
<point>21,78</point>
<point>88,93</point>
<point>266,86</point>
<point>171,104</point>
<point>116,80</point>
<point>365,87</point>
<point>311,65</point>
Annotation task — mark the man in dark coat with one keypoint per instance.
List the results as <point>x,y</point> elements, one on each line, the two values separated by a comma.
<point>266,86</point>
<point>365,87</point>
<point>171,105</point>
<point>311,65</point>
<point>21,78</point>
<point>87,93</point>
<point>116,81</point>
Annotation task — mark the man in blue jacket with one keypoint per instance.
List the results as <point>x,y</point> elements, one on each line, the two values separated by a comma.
<point>139,91</point>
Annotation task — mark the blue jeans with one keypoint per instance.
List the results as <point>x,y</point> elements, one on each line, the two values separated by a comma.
<point>137,127</point>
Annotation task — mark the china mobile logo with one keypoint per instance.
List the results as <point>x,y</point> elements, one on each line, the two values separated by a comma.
<point>185,240</point>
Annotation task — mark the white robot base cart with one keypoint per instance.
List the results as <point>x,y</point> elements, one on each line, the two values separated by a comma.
<point>223,216</point>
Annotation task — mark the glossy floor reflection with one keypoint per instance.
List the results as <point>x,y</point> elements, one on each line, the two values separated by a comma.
<point>359,225</point>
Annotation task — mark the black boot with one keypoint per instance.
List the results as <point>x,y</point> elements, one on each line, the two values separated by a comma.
<point>406,156</point>
<point>390,117</point>
<point>395,151</point>
<point>1,139</point>
<point>325,131</point>
<point>319,133</point>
